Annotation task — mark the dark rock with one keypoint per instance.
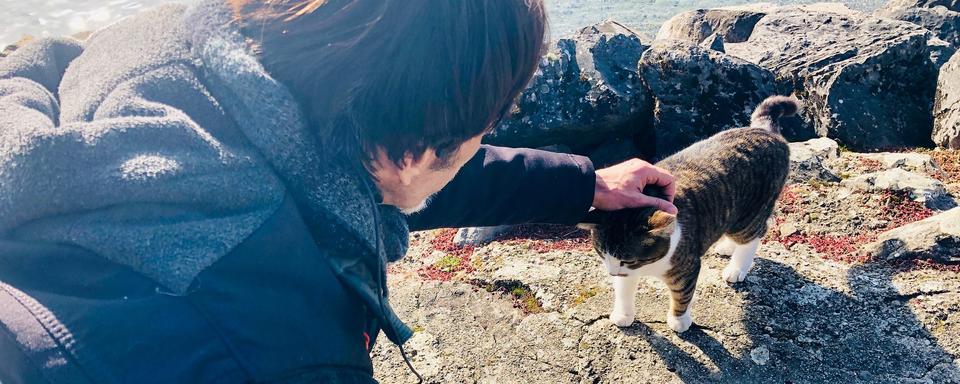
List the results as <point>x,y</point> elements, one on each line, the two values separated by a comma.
<point>733,25</point>
<point>615,151</point>
<point>714,42</point>
<point>946,106</point>
<point>941,17</point>
<point>586,91</point>
<point>936,238</point>
<point>699,92</point>
<point>865,81</point>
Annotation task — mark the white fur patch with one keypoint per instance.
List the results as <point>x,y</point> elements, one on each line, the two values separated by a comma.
<point>740,261</point>
<point>625,281</point>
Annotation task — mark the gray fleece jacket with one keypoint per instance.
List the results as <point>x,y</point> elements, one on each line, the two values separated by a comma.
<point>161,143</point>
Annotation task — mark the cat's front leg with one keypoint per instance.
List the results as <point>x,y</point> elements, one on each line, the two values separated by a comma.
<point>624,299</point>
<point>682,283</point>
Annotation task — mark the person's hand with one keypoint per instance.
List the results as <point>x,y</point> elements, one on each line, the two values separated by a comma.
<point>620,186</point>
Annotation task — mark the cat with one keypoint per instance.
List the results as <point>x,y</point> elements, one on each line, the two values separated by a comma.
<point>727,186</point>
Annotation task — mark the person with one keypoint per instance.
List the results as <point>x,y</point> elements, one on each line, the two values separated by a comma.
<point>211,193</point>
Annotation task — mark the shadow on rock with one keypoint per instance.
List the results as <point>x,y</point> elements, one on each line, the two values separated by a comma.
<point>800,331</point>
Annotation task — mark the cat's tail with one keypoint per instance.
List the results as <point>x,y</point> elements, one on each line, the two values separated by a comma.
<point>770,111</point>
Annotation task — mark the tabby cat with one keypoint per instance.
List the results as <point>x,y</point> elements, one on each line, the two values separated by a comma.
<point>727,186</point>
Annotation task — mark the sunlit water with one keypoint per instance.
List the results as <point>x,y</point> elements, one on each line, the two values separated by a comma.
<point>64,17</point>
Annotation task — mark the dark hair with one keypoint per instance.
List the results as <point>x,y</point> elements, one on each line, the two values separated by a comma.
<point>404,75</point>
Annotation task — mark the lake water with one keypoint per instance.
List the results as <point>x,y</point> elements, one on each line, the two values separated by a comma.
<point>60,17</point>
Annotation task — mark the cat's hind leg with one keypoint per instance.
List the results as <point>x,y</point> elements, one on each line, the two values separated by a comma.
<point>625,299</point>
<point>740,261</point>
<point>725,246</point>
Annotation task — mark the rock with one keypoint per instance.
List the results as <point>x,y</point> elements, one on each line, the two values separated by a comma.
<point>921,188</point>
<point>714,42</point>
<point>614,151</point>
<point>946,106</point>
<point>586,91</point>
<point>479,235</point>
<point>940,52</point>
<point>733,25</point>
<point>935,238</point>
<point>6,51</point>
<point>807,160</point>
<point>914,162</point>
<point>865,81</point>
<point>788,228</point>
<point>760,355</point>
<point>940,17</point>
<point>699,92</point>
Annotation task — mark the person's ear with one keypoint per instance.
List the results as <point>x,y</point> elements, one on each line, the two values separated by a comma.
<point>413,166</point>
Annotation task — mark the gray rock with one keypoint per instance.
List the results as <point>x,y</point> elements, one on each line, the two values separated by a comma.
<point>946,106</point>
<point>807,160</point>
<point>935,238</point>
<point>866,81</point>
<point>941,17</point>
<point>699,92</point>
<point>921,188</point>
<point>479,235</point>
<point>733,25</point>
<point>940,51</point>
<point>714,42</point>
<point>586,91</point>
<point>914,162</point>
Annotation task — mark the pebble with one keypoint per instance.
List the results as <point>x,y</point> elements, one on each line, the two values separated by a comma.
<point>760,355</point>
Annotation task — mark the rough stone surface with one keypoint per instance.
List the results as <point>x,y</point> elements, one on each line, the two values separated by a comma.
<point>913,162</point>
<point>733,25</point>
<point>479,235</point>
<point>866,81</point>
<point>946,106</point>
<point>807,160</point>
<point>921,188</point>
<point>936,238</point>
<point>941,17</point>
<point>699,92</point>
<point>586,91</point>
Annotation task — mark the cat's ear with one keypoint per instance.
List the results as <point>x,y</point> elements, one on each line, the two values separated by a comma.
<point>590,220</point>
<point>662,221</point>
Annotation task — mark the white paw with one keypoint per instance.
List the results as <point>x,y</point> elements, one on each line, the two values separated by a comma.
<point>733,274</point>
<point>679,324</point>
<point>622,319</point>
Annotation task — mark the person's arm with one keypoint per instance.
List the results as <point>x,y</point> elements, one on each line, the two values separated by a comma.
<point>511,186</point>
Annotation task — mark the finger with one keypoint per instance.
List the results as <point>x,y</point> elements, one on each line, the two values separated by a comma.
<point>660,177</point>
<point>660,204</point>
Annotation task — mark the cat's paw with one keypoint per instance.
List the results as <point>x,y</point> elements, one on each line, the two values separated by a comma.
<point>725,246</point>
<point>679,324</point>
<point>733,274</point>
<point>622,319</point>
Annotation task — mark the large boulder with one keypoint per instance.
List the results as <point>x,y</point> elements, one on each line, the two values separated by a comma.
<point>586,91</point>
<point>699,92</point>
<point>731,25</point>
<point>866,81</point>
<point>935,238</point>
<point>941,17</point>
<point>946,106</point>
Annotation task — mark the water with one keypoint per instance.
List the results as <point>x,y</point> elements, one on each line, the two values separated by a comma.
<point>64,17</point>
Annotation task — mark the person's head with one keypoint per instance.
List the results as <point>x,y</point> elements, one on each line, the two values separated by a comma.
<point>408,87</point>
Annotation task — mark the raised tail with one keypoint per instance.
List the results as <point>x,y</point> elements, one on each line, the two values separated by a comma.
<point>770,111</point>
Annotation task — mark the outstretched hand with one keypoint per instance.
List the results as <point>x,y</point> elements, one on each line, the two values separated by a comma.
<point>621,186</point>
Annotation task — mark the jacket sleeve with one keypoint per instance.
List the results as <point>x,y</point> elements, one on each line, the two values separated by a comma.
<point>502,186</point>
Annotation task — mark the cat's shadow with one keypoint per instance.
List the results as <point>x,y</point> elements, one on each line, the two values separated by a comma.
<point>800,332</point>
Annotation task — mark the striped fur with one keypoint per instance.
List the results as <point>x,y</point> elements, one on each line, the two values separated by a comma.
<point>727,186</point>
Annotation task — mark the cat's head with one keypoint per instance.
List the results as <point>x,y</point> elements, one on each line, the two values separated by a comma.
<point>630,238</point>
